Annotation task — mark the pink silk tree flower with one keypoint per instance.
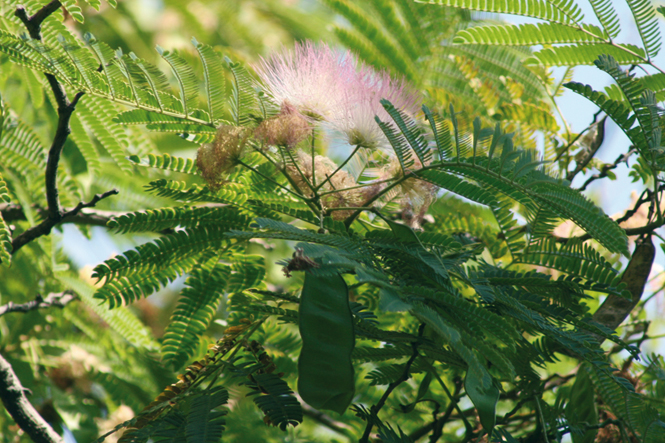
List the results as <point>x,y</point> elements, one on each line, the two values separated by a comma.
<point>335,88</point>
<point>311,78</point>
<point>356,120</point>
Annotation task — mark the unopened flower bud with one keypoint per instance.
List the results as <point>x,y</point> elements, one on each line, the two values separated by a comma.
<point>216,158</point>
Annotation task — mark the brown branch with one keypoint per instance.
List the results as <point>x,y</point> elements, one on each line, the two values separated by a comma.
<point>44,228</point>
<point>24,414</point>
<point>623,158</point>
<point>439,422</point>
<point>12,212</point>
<point>326,420</point>
<point>65,109</point>
<point>57,299</point>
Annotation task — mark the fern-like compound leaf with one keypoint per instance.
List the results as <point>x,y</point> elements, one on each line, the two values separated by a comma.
<point>557,11</point>
<point>204,423</point>
<point>96,116</point>
<point>275,398</point>
<point>647,25</point>
<point>185,76</point>
<point>530,34</point>
<point>184,217</point>
<point>5,234</point>
<point>196,308</point>
<point>607,16</point>
<point>244,101</point>
<point>213,71</point>
<point>411,132</point>
<point>166,162</point>
<point>575,55</point>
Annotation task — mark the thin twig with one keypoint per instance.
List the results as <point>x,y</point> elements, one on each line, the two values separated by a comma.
<point>357,148</point>
<point>57,299</point>
<point>326,420</point>
<point>439,422</point>
<point>374,410</point>
<point>623,158</point>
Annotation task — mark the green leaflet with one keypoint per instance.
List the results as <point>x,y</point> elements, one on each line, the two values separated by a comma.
<point>77,13</point>
<point>243,96</point>
<point>122,320</point>
<point>392,54</point>
<point>459,186</point>
<point>167,162</point>
<point>186,217</point>
<point>85,146</point>
<point>5,235</point>
<point>184,74</point>
<point>575,55</point>
<point>96,116</point>
<point>647,25</point>
<point>574,206</point>
<point>616,110</point>
<point>5,243</point>
<point>325,372</point>
<point>607,16</point>
<point>410,131</point>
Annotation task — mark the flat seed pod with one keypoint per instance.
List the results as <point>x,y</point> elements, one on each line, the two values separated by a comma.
<point>326,326</point>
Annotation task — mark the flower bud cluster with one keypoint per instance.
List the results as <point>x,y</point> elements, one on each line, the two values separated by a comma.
<point>215,159</point>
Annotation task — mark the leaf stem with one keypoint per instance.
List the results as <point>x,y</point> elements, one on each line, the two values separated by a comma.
<point>355,150</point>
<point>374,410</point>
<point>256,171</point>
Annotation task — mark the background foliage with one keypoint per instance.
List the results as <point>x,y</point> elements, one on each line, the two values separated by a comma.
<point>485,319</point>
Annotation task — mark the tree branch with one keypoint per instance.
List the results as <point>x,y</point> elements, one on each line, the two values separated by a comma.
<point>65,109</point>
<point>439,422</point>
<point>326,420</point>
<point>24,414</point>
<point>374,410</point>
<point>44,228</point>
<point>623,158</point>
<point>57,299</point>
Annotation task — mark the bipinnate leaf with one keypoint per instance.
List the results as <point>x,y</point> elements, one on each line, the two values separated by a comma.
<point>326,326</point>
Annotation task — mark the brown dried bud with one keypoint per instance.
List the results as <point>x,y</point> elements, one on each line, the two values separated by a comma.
<point>216,158</point>
<point>286,129</point>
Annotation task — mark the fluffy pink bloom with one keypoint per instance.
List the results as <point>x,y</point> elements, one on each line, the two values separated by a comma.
<point>356,120</point>
<point>336,88</point>
<point>311,78</point>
